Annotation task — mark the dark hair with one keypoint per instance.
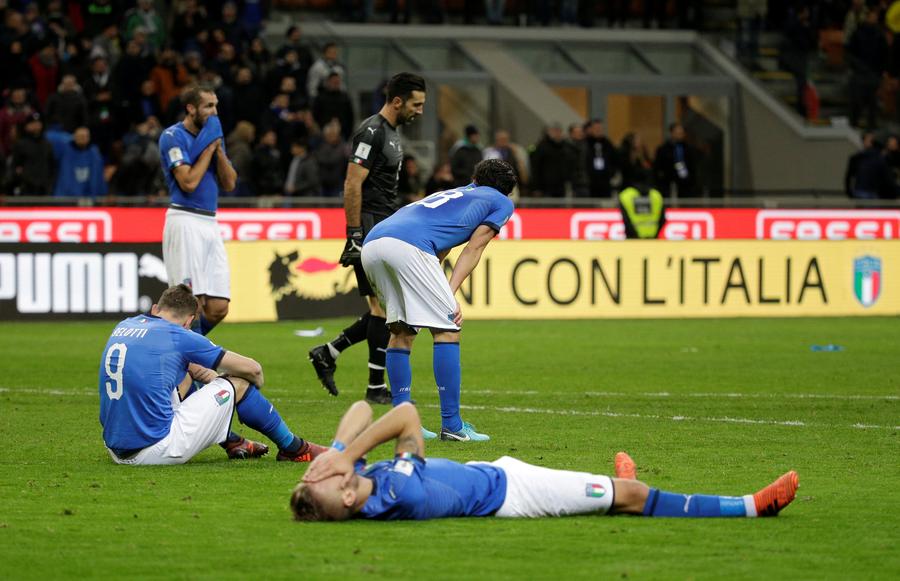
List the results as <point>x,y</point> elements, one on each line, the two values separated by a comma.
<point>179,300</point>
<point>672,126</point>
<point>193,95</point>
<point>497,174</point>
<point>402,85</point>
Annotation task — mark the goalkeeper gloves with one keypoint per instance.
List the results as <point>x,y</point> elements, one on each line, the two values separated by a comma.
<point>353,248</point>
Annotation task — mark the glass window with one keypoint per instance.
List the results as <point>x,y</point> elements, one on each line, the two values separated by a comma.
<point>438,56</point>
<point>677,60</point>
<point>608,59</point>
<point>543,58</point>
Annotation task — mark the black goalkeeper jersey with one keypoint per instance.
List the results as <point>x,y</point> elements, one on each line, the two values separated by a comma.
<point>376,147</point>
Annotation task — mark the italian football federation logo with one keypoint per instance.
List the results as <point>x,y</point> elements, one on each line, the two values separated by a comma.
<point>867,280</point>
<point>595,490</point>
<point>222,397</point>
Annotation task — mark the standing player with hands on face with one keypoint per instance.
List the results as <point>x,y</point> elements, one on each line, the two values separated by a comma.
<point>370,196</point>
<point>402,257</point>
<point>196,168</point>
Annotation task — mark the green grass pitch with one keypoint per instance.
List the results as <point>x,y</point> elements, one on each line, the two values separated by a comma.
<point>717,406</point>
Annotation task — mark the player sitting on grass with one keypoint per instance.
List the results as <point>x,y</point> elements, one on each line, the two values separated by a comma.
<point>147,366</point>
<point>337,486</point>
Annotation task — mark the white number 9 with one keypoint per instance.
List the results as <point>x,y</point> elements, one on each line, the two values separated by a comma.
<point>114,388</point>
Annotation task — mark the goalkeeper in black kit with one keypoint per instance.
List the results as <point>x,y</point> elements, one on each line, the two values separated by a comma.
<point>370,196</point>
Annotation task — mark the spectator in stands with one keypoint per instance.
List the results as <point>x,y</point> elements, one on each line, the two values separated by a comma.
<point>294,41</point>
<point>493,10</point>
<point>16,110</point>
<point>144,17</point>
<point>868,53</point>
<point>169,76</point>
<point>751,18</point>
<point>440,180</point>
<point>67,107</point>
<point>249,100</point>
<point>411,186</point>
<point>549,172</point>
<point>226,63</point>
<point>635,163</point>
<point>675,164</point>
<point>799,39</point>
<point>45,72</point>
<point>80,168</point>
<point>503,148</point>
<point>234,31</point>
<point>240,152</point>
<point>128,75</point>
<point>394,9</point>
<point>654,13</point>
<point>601,162</point>
<point>333,102</point>
<point>109,45</point>
<point>892,156</point>
<point>253,14</point>
<point>138,171</point>
<point>856,15</point>
<point>98,78</point>
<point>16,29</point>
<point>332,156</point>
<point>868,176</point>
<point>323,67</point>
<point>287,66</point>
<point>14,63</point>
<point>576,155</point>
<point>464,154</point>
<point>32,163</point>
<point>101,15</point>
<point>303,173</point>
<point>296,97</point>
<point>268,173</point>
<point>260,61</point>
<point>187,24</point>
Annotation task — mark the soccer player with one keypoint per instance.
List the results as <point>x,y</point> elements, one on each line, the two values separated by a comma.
<point>370,196</point>
<point>195,167</point>
<point>338,487</point>
<point>150,361</point>
<point>402,257</point>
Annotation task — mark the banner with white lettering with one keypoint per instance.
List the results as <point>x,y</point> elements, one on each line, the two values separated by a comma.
<point>79,281</point>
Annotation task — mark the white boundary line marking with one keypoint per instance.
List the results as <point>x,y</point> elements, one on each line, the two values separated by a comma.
<point>546,411</point>
<point>710,395</point>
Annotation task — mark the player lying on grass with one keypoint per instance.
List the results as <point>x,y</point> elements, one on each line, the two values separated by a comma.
<point>148,365</point>
<point>338,487</point>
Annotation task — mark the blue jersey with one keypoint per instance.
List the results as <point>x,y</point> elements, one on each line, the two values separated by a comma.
<point>411,488</point>
<point>144,360</point>
<point>175,148</point>
<point>447,219</point>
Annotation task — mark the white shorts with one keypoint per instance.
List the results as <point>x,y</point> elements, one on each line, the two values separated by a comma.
<point>533,491</point>
<point>410,284</point>
<point>195,254</point>
<point>201,420</point>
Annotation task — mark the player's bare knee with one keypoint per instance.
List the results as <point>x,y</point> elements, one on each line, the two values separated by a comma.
<point>375,307</point>
<point>445,336</point>
<point>631,496</point>
<point>241,386</point>
<point>216,310</point>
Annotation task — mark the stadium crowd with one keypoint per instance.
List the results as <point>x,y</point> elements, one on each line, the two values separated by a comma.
<point>88,87</point>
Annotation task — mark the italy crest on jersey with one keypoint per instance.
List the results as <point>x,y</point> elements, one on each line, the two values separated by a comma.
<point>867,280</point>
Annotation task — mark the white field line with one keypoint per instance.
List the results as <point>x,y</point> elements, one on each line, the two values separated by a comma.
<point>665,394</point>
<point>531,410</point>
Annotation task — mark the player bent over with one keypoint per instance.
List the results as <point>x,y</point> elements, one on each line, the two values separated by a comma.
<point>337,487</point>
<point>150,360</point>
<point>402,258</point>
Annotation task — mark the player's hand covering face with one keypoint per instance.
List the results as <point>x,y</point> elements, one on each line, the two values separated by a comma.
<point>332,463</point>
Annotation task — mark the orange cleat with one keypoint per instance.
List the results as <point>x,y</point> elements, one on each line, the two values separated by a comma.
<point>245,448</point>
<point>307,453</point>
<point>625,467</point>
<point>773,498</point>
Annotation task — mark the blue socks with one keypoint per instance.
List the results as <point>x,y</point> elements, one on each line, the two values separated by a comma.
<point>256,411</point>
<point>205,326</point>
<point>447,376</point>
<point>399,374</point>
<point>660,503</point>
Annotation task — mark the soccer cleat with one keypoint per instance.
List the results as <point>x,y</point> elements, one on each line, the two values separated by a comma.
<point>773,498</point>
<point>466,434</point>
<point>428,434</point>
<point>244,448</point>
<point>307,453</point>
<point>325,367</point>
<point>378,395</point>
<point>625,467</point>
